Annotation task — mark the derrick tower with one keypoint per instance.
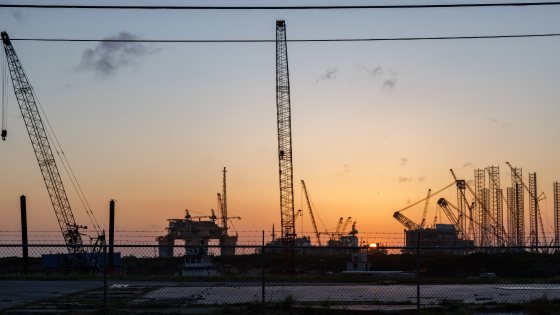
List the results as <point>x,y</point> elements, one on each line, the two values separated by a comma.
<point>481,201</point>
<point>556,189</point>
<point>512,217</point>
<point>516,175</point>
<point>285,147</point>
<point>533,211</point>
<point>495,203</point>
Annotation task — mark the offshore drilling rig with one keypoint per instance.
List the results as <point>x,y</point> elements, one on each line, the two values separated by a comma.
<point>481,222</point>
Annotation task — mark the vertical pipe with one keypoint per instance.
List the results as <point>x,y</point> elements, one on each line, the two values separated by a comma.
<point>111,233</point>
<point>24,248</point>
<point>262,284</point>
<point>104,244</point>
<point>418,275</point>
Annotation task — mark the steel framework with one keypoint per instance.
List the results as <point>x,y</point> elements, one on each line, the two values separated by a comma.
<point>533,211</point>
<point>285,147</point>
<point>41,146</point>
<point>495,203</point>
<point>480,192</point>
<point>556,188</point>
<point>511,217</point>
<point>222,199</point>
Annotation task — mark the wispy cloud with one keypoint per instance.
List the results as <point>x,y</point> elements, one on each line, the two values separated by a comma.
<point>403,161</point>
<point>16,14</point>
<point>501,122</point>
<point>404,179</point>
<point>421,178</point>
<point>375,72</point>
<point>330,74</point>
<point>407,200</point>
<point>108,57</point>
<point>389,84</point>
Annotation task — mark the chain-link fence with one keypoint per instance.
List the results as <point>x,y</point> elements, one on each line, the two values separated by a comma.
<point>252,279</point>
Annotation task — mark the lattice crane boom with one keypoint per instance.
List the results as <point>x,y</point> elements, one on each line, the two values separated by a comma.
<point>311,214</point>
<point>345,225</point>
<point>338,226</point>
<point>42,148</point>
<point>284,118</point>
<point>408,223</point>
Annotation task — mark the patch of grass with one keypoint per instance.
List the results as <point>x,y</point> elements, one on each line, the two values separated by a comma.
<point>287,303</point>
<point>539,306</point>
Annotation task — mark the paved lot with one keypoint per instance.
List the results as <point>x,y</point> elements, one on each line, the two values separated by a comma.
<point>21,292</point>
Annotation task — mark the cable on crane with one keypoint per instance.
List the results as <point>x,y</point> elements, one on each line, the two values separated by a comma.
<point>66,165</point>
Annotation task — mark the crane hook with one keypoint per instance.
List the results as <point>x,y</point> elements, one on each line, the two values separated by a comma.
<point>4,134</point>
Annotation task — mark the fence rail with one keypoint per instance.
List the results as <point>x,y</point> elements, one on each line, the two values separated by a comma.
<point>250,279</point>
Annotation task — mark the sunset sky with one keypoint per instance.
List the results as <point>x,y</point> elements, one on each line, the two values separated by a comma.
<point>374,124</point>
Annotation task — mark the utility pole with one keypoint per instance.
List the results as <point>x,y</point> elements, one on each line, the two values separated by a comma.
<point>285,148</point>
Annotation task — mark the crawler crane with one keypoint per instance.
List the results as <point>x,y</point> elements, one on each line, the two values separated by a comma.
<point>27,102</point>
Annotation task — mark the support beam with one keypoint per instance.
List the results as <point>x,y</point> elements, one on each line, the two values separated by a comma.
<point>24,248</point>
<point>556,189</point>
<point>111,234</point>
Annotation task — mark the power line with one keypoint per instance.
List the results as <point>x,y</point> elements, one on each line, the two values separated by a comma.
<point>419,6</point>
<point>274,41</point>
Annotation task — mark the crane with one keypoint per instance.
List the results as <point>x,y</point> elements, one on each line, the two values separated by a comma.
<point>446,209</point>
<point>466,202</point>
<point>345,225</point>
<point>408,223</point>
<point>425,209</point>
<point>39,139</point>
<point>298,214</point>
<point>234,228</point>
<point>284,117</point>
<point>311,214</point>
<point>338,226</point>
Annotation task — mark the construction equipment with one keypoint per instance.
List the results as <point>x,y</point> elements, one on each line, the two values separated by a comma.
<point>425,209</point>
<point>345,225</point>
<point>39,139</point>
<point>311,213</point>
<point>338,226</point>
<point>448,213</point>
<point>462,202</point>
<point>408,223</point>
<point>535,214</point>
<point>285,148</point>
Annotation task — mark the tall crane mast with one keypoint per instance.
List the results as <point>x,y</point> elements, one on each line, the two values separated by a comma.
<point>311,213</point>
<point>222,200</point>
<point>285,148</point>
<point>41,146</point>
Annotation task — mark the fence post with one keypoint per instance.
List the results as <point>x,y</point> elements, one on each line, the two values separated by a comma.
<point>24,247</point>
<point>418,275</point>
<point>104,277</point>
<point>262,284</point>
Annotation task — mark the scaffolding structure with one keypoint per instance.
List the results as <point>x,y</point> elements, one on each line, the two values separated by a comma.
<point>482,212</point>
<point>495,204</point>
<point>512,217</point>
<point>533,211</point>
<point>556,189</point>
